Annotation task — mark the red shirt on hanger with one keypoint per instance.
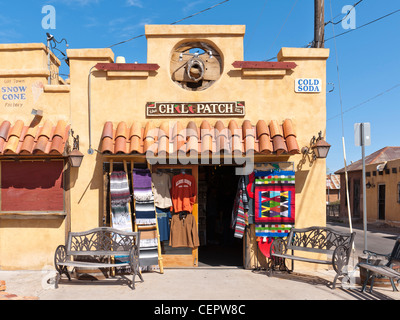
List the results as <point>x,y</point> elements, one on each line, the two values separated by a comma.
<point>183,192</point>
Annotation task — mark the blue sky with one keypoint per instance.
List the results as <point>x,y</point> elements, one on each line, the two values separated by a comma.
<point>368,56</point>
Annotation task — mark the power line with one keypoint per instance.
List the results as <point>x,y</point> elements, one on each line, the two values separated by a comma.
<point>364,25</point>
<point>175,22</point>
<point>282,26</point>
<point>366,101</point>
<point>250,36</point>
<point>337,22</point>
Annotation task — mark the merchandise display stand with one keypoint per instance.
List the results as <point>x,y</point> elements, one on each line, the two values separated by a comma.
<point>137,228</point>
<point>160,259</point>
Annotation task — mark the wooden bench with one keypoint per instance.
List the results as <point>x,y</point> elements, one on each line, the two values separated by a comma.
<point>317,240</point>
<point>386,270</point>
<point>95,249</point>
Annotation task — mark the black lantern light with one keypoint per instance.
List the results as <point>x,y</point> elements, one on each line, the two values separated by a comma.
<point>75,156</point>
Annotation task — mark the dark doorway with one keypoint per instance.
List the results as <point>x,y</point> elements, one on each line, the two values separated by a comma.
<point>356,198</point>
<point>381,201</point>
<point>217,191</point>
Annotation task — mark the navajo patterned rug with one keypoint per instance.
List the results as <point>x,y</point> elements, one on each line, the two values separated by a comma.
<point>274,203</point>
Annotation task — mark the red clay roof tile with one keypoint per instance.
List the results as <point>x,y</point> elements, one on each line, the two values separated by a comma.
<point>108,130</point>
<point>4,129</point>
<point>275,129</point>
<point>57,146</point>
<point>288,129</point>
<point>46,130</point>
<point>25,140</point>
<point>16,130</point>
<point>60,129</point>
<point>261,138</point>
<point>136,130</point>
<point>122,130</point>
<point>27,145</point>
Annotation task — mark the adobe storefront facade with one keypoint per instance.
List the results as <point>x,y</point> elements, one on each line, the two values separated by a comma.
<point>123,112</point>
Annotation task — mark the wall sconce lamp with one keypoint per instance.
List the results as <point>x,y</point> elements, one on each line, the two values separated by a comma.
<point>370,185</point>
<point>75,156</point>
<point>318,149</point>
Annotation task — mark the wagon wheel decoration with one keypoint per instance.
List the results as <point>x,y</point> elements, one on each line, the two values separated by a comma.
<point>59,257</point>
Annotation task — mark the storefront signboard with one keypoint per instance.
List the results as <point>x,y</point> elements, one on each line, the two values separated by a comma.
<point>195,109</point>
<point>307,85</point>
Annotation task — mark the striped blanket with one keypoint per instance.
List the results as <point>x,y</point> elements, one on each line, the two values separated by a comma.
<point>144,198</point>
<point>121,218</point>
<point>146,220</point>
<point>119,188</point>
<point>240,209</point>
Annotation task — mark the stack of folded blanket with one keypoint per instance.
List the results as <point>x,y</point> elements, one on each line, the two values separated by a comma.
<point>145,218</point>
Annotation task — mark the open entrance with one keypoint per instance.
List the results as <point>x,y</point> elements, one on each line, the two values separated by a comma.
<point>217,188</point>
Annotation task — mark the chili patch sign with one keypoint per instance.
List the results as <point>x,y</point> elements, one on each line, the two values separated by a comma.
<point>195,109</point>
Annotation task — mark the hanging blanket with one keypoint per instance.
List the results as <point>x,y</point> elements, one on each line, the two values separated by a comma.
<point>121,218</point>
<point>144,198</point>
<point>146,220</point>
<point>148,247</point>
<point>119,188</point>
<point>145,212</point>
<point>274,203</point>
<point>240,208</point>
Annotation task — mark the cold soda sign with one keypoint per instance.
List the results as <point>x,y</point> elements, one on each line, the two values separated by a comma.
<point>306,85</point>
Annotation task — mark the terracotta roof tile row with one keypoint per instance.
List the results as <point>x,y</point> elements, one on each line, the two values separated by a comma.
<point>21,139</point>
<point>173,137</point>
<point>333,181</point>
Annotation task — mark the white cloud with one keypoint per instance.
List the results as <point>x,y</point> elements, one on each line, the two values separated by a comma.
<point>134,3</point>
<point>80,3</point>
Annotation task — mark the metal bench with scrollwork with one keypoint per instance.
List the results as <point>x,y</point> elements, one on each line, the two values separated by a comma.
<point>94,248</point>
<point>319,240</point>
<point>386,270</point>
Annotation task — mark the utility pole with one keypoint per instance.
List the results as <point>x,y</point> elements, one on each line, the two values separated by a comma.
<point>319,24</point>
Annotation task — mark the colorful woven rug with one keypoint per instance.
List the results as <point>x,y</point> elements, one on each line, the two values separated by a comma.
<point>274,203</point>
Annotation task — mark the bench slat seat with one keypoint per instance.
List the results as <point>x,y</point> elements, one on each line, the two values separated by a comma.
<point>83,264</point>
<point>289,256</point>
<point>386,271</point>
<point>97,253</point>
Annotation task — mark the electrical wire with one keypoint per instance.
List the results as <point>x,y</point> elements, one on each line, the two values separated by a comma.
<point>341,113</point>
<point>364,25</point>
<point>366,101</point>
<point>250,36</point>
<point>175,22</point>
<point>337,22</point>
<point>284,23</point>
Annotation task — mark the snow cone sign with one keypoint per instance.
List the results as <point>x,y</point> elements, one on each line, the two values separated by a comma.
<point>305,85</point>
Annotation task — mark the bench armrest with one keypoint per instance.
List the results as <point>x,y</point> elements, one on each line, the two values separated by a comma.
<point>374,254</point>
<point>340,259</point>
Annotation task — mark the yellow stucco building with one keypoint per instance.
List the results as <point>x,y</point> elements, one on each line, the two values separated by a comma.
<point>266,111</point>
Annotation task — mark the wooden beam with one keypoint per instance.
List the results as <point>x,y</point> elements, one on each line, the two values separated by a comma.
<point>127,66</point>
<point>264,65</point>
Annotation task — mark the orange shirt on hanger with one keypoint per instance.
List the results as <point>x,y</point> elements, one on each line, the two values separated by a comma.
<point>183,192</point>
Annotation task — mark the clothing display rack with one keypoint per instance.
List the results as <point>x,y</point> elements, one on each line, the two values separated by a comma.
<point>128,168</point>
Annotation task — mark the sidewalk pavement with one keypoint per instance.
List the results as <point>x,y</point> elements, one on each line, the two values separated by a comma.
<point>192,284</point>
<point>204,283</point>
